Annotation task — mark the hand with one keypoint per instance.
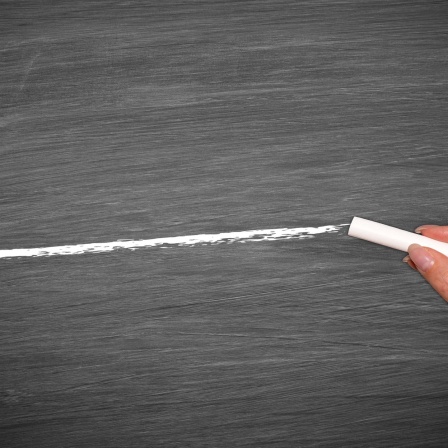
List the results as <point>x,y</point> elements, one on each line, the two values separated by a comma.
<point>432,265</point>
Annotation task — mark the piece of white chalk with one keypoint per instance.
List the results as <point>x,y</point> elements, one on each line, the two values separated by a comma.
<point>391,236</point>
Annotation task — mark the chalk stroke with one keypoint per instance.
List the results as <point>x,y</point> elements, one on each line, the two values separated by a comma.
<point>188,240</point>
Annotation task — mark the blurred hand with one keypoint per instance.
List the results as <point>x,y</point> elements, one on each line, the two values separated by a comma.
<point>432,265</point>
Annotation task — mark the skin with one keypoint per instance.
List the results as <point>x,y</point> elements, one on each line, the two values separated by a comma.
<point>432,265</point>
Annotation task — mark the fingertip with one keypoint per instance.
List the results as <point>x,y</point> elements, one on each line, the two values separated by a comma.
<point>424,227</point>
<point>432,265</point>
<point>439,233</point>
<point>409,262</point>
<point>422,258</point>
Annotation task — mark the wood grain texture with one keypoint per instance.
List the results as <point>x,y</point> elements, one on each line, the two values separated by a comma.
<point>135,119</point>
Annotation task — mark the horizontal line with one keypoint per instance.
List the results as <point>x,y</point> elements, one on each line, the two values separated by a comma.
<point>187,240</point>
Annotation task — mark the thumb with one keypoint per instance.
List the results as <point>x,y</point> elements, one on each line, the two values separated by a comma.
<point>433,266</point>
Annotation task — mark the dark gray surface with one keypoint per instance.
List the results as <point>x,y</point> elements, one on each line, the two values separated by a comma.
<point>145,119</point>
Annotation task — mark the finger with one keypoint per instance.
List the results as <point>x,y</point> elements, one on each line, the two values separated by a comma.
<point>433,266</point>
<point>439,233</point>
<point>409,262</point>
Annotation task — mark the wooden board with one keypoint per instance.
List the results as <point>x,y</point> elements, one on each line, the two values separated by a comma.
<point>137,120</point>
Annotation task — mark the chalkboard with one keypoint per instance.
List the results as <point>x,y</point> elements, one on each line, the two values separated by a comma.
<point>138,120</point>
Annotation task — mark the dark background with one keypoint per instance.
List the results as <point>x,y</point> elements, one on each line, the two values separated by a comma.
<point>144,119</point>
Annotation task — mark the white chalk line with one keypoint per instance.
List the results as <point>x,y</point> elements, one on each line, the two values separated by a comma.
<point>188,240</point>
